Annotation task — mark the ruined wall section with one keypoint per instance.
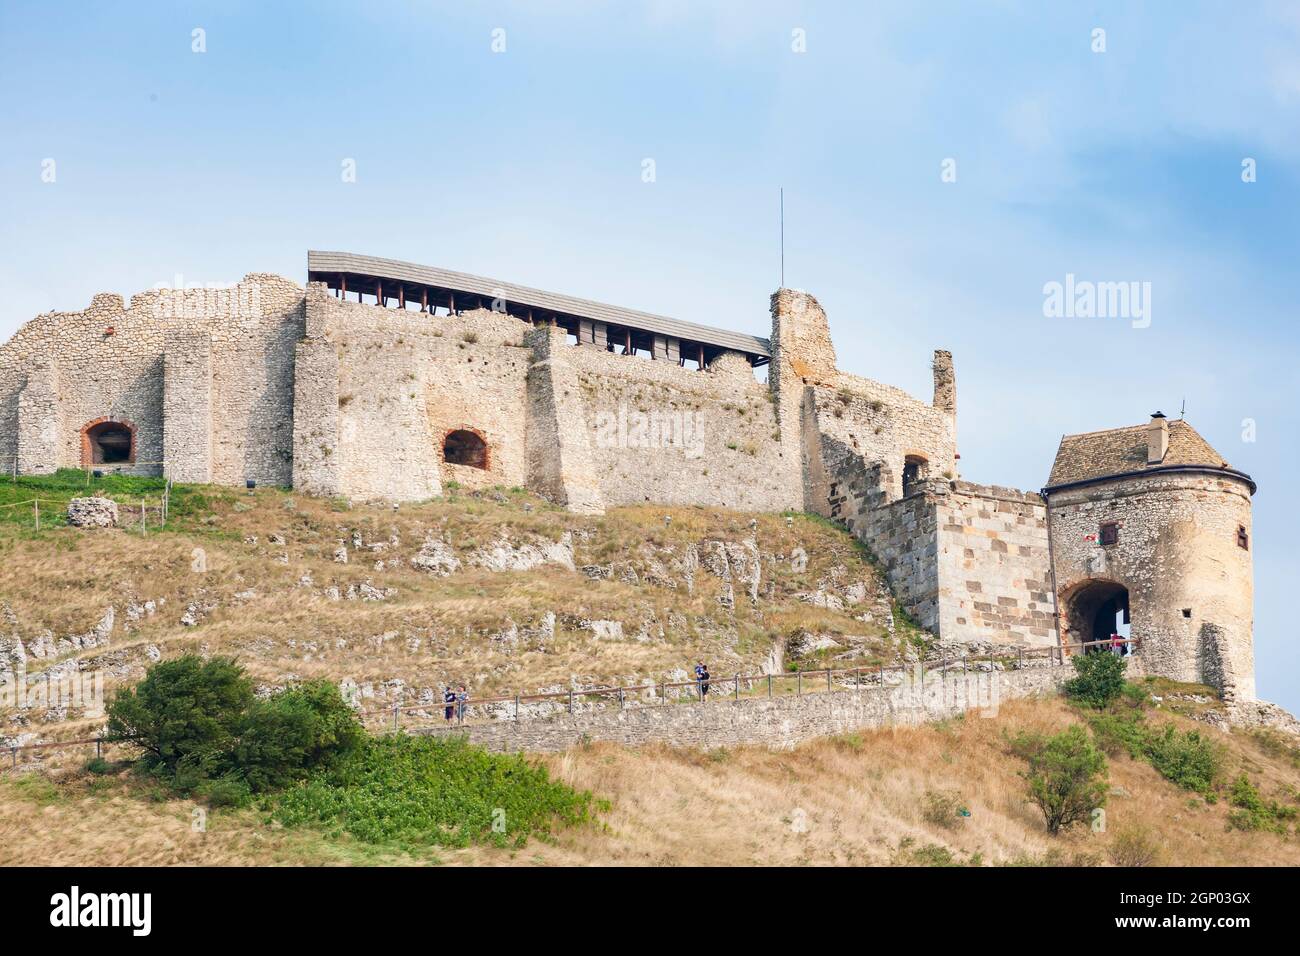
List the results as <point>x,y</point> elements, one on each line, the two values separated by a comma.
<point>1190,584</point>
<point>664,433</point>
<point>109,363</point>
<point>881,424</point>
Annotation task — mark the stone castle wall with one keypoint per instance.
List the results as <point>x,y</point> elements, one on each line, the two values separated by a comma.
<point>1189,583</point>
<point>779,722</point>
<point>993,565</point>
<point>63,370</point>
<point>270,382</point>
<point>664,433</point>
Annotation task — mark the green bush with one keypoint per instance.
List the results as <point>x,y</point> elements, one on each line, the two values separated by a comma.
<point>428,791</point>
<point>1253,812</point>
<point>202,730</point>
<point>1066,776</point>
<point>1099,679</point>
<point>185,714</point>
<point>1119,733</point>
<point>228,790</point>
<point>293,732</point>
<point>1188,759</point>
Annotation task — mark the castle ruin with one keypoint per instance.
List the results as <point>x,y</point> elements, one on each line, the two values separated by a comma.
<point>388,380</point>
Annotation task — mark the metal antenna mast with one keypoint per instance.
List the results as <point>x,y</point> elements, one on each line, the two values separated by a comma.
<point>782,237</point>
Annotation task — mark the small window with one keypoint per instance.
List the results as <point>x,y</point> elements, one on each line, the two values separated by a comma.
<point>1110,533</point>
<point>1187,612</point>
<point>914,470</point>
<point>1243,538</point>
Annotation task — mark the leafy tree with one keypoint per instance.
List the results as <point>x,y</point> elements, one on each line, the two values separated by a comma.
<point>293,732</point>
<point>185,714</point>
<point>1066,776</point>
<point>1099,680</point>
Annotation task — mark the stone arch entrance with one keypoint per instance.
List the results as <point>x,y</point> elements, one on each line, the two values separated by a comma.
<point>1094,610</point>
<point>107,441</point>
<point>464,446</point>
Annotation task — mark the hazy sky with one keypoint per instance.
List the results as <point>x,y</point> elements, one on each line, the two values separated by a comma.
<point>527,165</point>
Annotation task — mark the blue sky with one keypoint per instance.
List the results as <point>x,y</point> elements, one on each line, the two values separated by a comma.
<point>527,165</point>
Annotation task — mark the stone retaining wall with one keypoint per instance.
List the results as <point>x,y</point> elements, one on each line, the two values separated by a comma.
<point>779,722</point>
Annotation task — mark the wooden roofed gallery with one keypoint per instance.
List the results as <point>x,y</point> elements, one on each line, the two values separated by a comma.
<point>404,285</point>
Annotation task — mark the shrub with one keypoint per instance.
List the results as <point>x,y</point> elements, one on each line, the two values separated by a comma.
<point>1253,812</point>
<point>1188,759</point>
<point>427,791</point>
<point>1066,776</point>
<point>184,715</point>
<point>228,790</point>
<point>942,808</point>
<point>1119,733</point>
<point>293,732</point>
<point>1134,846</point>
<point>1099,679</point>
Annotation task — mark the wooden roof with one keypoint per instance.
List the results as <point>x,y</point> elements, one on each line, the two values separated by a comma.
<point>349,263</point>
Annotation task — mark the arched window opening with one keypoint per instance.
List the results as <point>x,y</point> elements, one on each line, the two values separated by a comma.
<point>108,443</point>
<point>915,469</point>
<point>462,447</point>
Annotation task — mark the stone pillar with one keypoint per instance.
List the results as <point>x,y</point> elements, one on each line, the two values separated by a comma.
<point>558,448</point>
<point>40,426</point>
<point>187,406</point>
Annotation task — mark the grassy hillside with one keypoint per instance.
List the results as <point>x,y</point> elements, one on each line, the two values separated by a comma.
<point>501,591</point>
<point>498,590</point>
<point>873,798</point>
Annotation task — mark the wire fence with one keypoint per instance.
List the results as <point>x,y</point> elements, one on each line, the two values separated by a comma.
<point>132,514</point>
<point>755,686</point>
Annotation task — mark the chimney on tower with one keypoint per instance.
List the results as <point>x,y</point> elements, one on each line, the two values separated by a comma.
<point>1157,438</point>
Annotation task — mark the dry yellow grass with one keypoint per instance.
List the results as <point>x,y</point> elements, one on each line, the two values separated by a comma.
<point>857,800</point>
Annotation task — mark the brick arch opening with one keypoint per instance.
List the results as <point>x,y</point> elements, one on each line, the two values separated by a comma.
<point>108,441</point>
<point>465,446</point>
<point>1094,611</point>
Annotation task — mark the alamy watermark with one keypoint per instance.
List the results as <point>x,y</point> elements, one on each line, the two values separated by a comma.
<point>182,300</point>
<point>1084,299</point>
<point>657,428</point>
<point>58,689</point>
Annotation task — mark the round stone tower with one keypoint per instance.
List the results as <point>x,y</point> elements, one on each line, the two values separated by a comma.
<point>1150,533</point>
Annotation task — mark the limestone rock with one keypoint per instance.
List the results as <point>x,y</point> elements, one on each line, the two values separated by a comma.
<point>93,512</point>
